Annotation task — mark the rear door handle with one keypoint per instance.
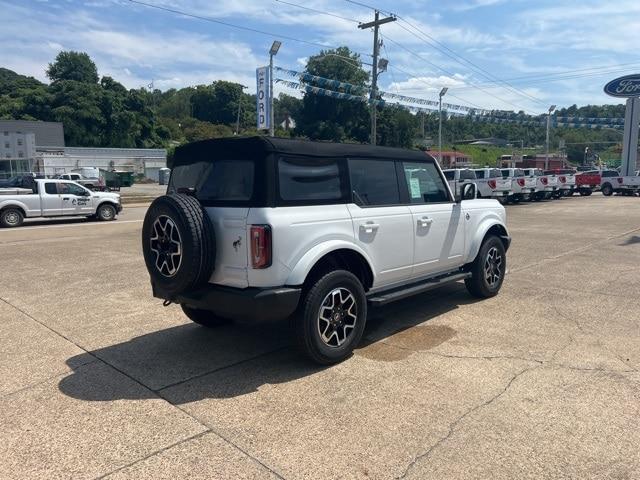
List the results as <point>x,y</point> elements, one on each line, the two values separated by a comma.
<point>425,221</point>
<point>369,227</point>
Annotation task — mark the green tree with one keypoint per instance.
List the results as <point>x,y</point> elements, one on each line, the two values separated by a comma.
<point>71,65</point>
<point>329,118</point>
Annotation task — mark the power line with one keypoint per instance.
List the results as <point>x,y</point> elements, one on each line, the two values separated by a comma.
<point>417,55</point>
<point>335,15</point>
<point>232,25</point>
<point>460,59</point>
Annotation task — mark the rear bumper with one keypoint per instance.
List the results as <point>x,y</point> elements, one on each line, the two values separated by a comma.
<point>252,305</point>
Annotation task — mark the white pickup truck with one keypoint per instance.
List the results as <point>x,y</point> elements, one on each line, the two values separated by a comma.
<point>566,181</point>
<point>523,187</point>
<point>546,185</point>
<point>458,177</point>
<point>611,182</point>
<point>492,185</point>
<point>55,198</point>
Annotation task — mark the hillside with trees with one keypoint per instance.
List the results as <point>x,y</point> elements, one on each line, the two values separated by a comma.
<point>101,112</point>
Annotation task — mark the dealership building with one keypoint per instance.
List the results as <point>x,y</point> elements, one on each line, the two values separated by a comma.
<point>31,146</point>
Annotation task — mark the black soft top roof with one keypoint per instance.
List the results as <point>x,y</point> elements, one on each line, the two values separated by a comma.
<point>260,147</point>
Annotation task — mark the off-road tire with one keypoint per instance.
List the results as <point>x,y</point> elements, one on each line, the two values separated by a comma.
<point>11,217</point>
<point>607,190</point>
<point>204,317</point>
<point>106,212</point>
<point>477,284</point>
<point>306,322</point>
<point>197,243</point>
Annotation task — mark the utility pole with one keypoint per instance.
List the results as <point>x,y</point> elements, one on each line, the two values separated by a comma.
<point>374,71</point>
<point>242,87</point>
<point>546,162</point>
<point>442,93</point>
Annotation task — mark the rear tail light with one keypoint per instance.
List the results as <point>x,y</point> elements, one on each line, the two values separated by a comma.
<point>563,179</point>
<point>521,182</point>
<point>544,180</point>
<point>260,246</point>
<point>492,183</point>
<point>620,180</point>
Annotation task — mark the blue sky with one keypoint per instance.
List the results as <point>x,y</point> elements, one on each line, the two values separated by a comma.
<point>550,52</point>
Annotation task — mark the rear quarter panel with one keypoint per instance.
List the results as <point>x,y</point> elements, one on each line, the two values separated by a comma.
<point>300,236</point>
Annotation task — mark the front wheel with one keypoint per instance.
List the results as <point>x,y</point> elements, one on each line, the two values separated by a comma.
<point>331,318</point>
<point>106,212</point>
<point>488,269</point>
<point>607,190</point>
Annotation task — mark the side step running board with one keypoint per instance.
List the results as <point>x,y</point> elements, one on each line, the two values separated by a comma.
<point>388,296</point>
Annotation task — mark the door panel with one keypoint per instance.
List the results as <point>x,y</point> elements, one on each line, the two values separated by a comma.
<point>439,237</point>
<point>437,221</point>
<point>386,234</point>
<point>75,201</point>
<point>51,200</point>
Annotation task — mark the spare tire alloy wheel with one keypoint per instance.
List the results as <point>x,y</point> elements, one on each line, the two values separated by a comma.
<point>166,244</point>
<point>178,242</point>
<point>337,317</point>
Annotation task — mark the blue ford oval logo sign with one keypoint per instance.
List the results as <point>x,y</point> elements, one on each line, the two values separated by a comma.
<point>628,86</point>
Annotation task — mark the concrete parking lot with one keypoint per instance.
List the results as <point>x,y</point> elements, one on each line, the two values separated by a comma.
<point>98,379</point>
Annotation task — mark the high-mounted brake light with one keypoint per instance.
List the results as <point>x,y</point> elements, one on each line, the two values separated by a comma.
<point>521,182</point>
<point>492,183</point>
<point>260,246</point>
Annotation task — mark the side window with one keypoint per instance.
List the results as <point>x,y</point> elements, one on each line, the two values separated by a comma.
<point>313,180</point>
<point>50,188</point>
<point>424,183</point>
<point>374,182</point>
<point>75,189</point>
<point>449,174</point>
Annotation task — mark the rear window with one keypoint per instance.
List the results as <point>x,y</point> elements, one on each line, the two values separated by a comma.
<point>495,173</point>
<point>480,174</point>
<point>316,180</point>
<point>217,181</point>
<point>506,173</point>
<point>467,175</point>
<point>449,174</point>
<point>518,172</point>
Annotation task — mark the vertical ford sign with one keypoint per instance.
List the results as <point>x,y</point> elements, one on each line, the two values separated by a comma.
<point>628,86</point>
<point>262,97</point>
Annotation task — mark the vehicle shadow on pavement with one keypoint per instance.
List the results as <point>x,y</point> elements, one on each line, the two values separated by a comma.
<point>188,363</point>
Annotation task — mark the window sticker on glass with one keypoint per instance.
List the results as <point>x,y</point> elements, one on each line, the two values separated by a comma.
<point>415,188</point>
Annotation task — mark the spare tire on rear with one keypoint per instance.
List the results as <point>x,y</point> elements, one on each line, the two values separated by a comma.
<point>178,243</point>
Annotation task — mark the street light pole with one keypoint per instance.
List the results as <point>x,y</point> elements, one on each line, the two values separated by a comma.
<point>272,52</point>
<point>546,162</point>
<point>442,93</point>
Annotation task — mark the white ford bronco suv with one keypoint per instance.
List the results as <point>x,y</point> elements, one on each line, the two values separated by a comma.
<point>259,229</point>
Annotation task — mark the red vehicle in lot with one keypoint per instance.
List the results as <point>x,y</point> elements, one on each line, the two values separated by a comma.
<point>588,182</point>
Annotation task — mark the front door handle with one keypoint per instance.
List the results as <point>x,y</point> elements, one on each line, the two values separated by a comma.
<point>369,227</point>
<point>65,198</point>
<point>425,221</point>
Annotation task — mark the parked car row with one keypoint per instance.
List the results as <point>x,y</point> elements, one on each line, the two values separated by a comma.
<point>513,185</point>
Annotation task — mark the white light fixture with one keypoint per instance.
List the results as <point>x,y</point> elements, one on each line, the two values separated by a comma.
<point>275,47</point>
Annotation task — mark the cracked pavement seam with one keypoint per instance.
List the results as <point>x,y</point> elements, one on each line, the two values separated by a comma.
<point>456,422</point>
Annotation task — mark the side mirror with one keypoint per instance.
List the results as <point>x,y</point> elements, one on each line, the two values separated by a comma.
<point>467,192</point>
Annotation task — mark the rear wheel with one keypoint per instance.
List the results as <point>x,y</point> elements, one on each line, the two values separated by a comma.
<point>11,217</point>
<point>331,317</point>
<point>607,190</point>
<point>488,269</point>
<point>203,317</point>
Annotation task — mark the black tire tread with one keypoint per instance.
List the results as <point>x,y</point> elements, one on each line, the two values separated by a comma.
<point>475,285</point>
